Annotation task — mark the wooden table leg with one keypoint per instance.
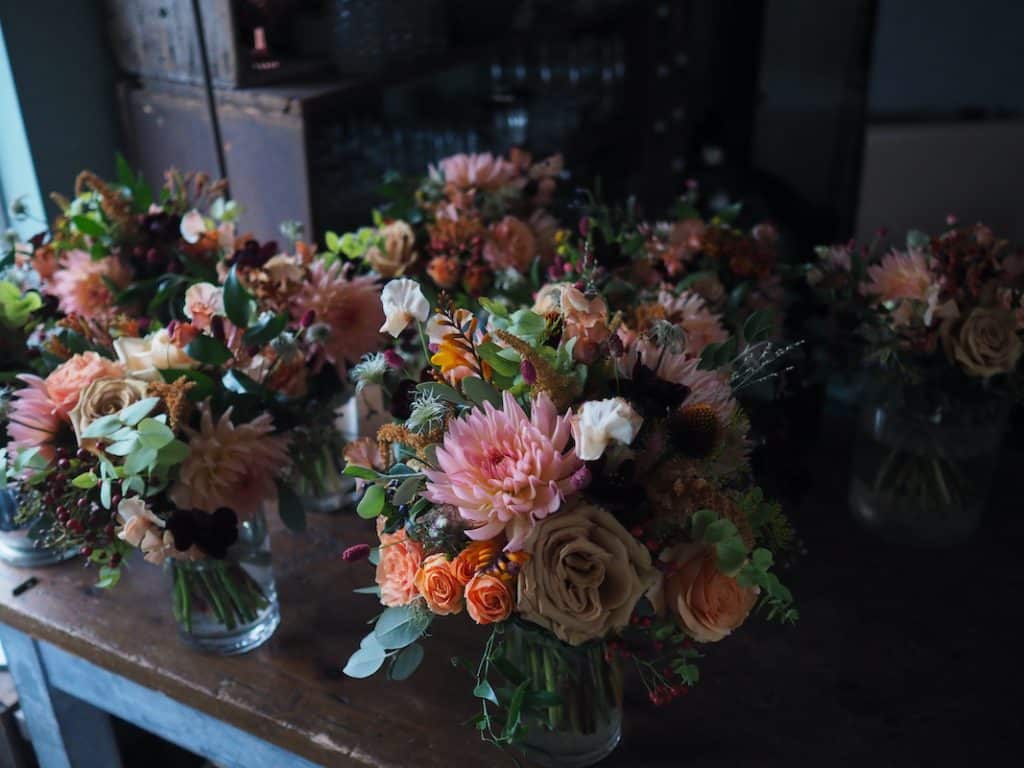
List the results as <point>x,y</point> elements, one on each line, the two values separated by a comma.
<point>66,732</point>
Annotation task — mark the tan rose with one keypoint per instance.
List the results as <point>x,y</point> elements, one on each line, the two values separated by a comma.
<point>488,599</point>
<point>704,601</point>
<point>398,252</point>
<point>102,398</point>
<point>584,576</point>
<point>985,343</point>
<point>436,581</point>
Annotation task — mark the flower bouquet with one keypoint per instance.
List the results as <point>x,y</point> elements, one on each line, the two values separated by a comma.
<point>590,515</point>
<point>940,324</point>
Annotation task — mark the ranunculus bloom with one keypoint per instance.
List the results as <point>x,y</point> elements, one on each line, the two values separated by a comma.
<point>436,582</point>
<point>203,301</point>
<point>104,397</point>
<point>510,244</point>
<point>397,566</point>
<point>585,320</point>
<point>403,302</point>
<point>488,599</point>
<point>705,602</point>
<point>81,284</point>
<point>65,383</point>
<point>985,343</point>
<point>505,471</point>
<point>584,576</point>
<point>349,307</point>
<point>230,465</point>
<point>398,253</point>
<point>599,422</point>
<point>483,171</point>
<point>33,419</point>
<point>688,311</point>
<point>900,276</point>
<point>145,358</point>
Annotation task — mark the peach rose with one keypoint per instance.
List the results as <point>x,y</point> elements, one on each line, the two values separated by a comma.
<point>203,301</point>
<point>67,381</point>
<point>399,562</point>
<point>488,599</point>
<point>510,244</point>
<point>436,581</point>
<point>398,253</point>
<point>705,602</point>
<point>464,566</point>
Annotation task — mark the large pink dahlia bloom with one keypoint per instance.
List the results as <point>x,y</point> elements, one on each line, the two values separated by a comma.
<point>689,311</point>
<point>33,419</point>
<point>82,284</point>
<point>900,276</point>
<point>504,471</point>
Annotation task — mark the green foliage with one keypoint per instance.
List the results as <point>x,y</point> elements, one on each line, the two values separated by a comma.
<point>208,350</point>
<point>718,354</point>
<point>480,392</point>
<point>16,308</point>
<point>372,503</point>
<point>239,305</point>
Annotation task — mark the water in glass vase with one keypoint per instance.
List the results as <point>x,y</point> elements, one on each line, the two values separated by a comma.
<point>228,606</point>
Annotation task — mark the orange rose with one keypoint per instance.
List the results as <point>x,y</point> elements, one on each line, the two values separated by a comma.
<point>399,561</point>
<point>488,599</point>
<point>436,581</point>
<point>464,566</point>
<point>705,602</point>
<point>445,271</point>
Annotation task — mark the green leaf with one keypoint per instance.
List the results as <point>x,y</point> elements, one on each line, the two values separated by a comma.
<point>85,481</point>
<point>365,662</point>
<point>758,326</point>
<point>122,447</point>
<point>242,384</point>
<point>139,460</point>
<point>401,626</point>
<point>406,491</point>
<point>109,577</point>
<point>289,507</point>
<point>265,330</point>
<point>719,531</point>
<point>135,412</point>
<point>730,555</point>
<point>351,470</point>
<point>88,226</point>
<point>515,708</point>
<point>484,690</point>
<point>405,662</point>
<point>174,452</point>
<point>480,392</point>
<point>374,589</point>
<point>125,174</point>
<point>762,558</point>
<point>372,503</point>
<point>208,350</point>
<point>154,434</point>
<point>495,308</point>
<point>103,426</point>
<point>105,493</point>
<point>238,304</point>
<point>442,392</point>
<point>332,241</point>
<point>700,521</point>
<point>502,365</point>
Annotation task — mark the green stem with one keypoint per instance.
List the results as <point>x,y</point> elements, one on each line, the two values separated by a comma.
<point>234,597</point>
<point>224,616</point>
<point>551,684</point>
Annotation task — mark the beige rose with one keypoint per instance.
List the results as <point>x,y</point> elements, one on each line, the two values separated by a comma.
<point>398,252</point>
<point>584,576</point>
<point>102,398</point>
<point>145,358</point>
<point>985,343</point>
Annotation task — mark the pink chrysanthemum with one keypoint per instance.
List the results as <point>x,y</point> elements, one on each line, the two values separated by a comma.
<point>504,471</point>
<point>900,276</point>
<point>33,419</point>
<point>81,284</point>
<point>230,465</point>
<point>477,171</point>
<point>350,308</point>
<point>701,325</point>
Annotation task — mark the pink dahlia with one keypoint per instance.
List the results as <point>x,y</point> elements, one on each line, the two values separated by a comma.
<point>230,465</point>
<point>900,276</point>
<point>688,310</point>
<point>67,381</point>
<point>33,420</point>
<point>510,245</point>
<point>477,171</point>
<point>504,471</point>
<point>350,308</point>
<point>82,285</point>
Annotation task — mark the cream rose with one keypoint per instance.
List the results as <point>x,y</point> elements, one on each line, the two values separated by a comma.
<point>599,422</point>
<point>102,398</point>
<point>985,343</point>
<point>145,358</point>
<point>584,576</point>
<point>398,252</point>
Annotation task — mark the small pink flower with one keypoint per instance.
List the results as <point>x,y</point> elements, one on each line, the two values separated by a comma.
<point>504,471</point>
<point>477,171</point>
<point>900,276</point>
<point>688,310</point>
<point>81,284</point>
<point>203,301</point>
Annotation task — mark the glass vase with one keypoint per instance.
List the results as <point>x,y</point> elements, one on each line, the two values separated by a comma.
<point>23,545</point>
<point>586,725</point>
<point>924,473</point>
<point>228,606</point>
<point>320,485</point>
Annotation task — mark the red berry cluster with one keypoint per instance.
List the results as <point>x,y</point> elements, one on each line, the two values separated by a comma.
<point>663,694</point>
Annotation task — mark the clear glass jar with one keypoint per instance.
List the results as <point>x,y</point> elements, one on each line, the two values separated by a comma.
<point>587,724</point>
<point>924,473</point>
<point>22,545</point>
<point>228,606</point>
<point>321,487</point>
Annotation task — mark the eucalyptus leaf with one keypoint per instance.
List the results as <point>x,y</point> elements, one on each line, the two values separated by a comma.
<point>123,447</point>
<point>365,662</point>
<point>406,492</point>
<point>372,503</point>
<point>103,426</point>
<point>405,662</point>
<point>139,460</point>
<point>135,412</point>
<point>400,626</point>
<point>155,435</point>
<point>363,473</point>
<point>480,392</point>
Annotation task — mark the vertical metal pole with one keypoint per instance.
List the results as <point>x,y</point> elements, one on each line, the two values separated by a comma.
<point>211,104</point>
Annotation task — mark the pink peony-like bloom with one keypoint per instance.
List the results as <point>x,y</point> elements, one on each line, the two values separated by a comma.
<point>477,171</point>
<point>510,244</point>
<point>203,302</point>
<point>66,382</point>
<point>230,465</point>
<point>900,276</point>
<point>400,559</point>
<point>81,288</point>
<point>349,307</point>
<point>33,420</point>
<point>504,471</point>
<point>688,310</point>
